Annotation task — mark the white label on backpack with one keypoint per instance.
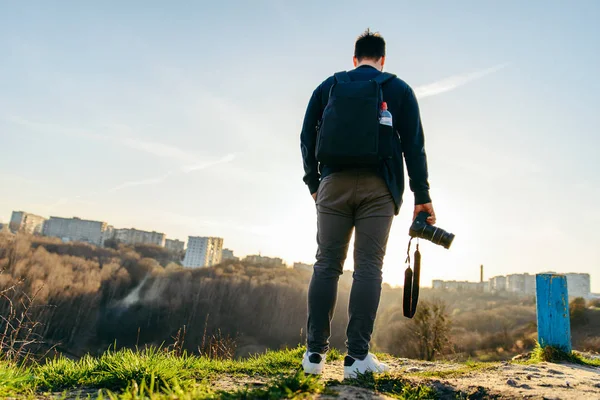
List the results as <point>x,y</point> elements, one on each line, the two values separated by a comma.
<point>386,121</point>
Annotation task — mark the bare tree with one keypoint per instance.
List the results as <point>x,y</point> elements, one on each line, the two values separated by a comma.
<point>431,326</point>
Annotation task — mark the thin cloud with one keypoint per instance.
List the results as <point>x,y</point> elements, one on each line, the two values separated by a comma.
<point>159,149</point>
<point>51,129</point>
<point>12,178</point>
<point>189,161</point>
<point>163,177</point>
<point>148,181</point>
<point>196,167</point>
<point>197,223</point>
<point>154,148</point>
<point>453,82</point>
<point>141,182</point>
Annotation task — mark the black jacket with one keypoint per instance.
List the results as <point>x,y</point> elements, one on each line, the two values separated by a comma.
<point>403,105</point>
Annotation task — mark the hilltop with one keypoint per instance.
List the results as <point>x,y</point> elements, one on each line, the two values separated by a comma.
<point>164,374</point>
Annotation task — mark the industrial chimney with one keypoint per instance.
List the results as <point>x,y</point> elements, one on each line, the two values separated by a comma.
<point>481,273</point>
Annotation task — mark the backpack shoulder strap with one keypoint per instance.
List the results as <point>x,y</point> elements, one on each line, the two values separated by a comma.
<point>339,77</point>
<point>383,78</point>
<point>342,77</point>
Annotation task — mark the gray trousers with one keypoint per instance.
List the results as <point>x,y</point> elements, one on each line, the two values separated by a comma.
<point>350,200</point>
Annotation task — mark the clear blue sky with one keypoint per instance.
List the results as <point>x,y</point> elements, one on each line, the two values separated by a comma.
<point>184,117</point>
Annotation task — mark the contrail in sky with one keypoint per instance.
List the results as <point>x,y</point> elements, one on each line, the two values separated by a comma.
<point>190,161</point>
<point>163,177</point>
<point>453,82</point>
<point>141,182</point>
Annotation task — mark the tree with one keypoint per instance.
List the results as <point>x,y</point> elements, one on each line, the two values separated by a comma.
<point>578,312</point>
<point>431,326</point>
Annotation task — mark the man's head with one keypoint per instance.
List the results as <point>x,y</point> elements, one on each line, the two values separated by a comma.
<point>369,49</point>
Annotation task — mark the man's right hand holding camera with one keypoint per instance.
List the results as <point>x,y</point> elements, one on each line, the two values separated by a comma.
<point>427,207</point>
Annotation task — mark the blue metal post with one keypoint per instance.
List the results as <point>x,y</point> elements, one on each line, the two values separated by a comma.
<point>554,326</point>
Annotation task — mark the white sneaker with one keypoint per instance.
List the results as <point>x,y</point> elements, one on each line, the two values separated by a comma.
<point>354,367</point>
<point>313,363</point>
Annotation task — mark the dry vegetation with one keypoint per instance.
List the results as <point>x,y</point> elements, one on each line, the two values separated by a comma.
<point>84,299</point>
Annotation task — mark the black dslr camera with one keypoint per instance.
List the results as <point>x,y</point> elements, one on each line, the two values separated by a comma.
<point>421,229</point>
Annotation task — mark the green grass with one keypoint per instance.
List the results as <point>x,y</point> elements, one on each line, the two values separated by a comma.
<point>117,369</point>
<point>467,367</point>
<point>157,374</point>
<point>556,355</point>
<point>334,355</point>
<point>294,386</point>
<point>393,385</point>
<point>297,385</point>
<point>154,372</point>
<point>14,380</point>
<point>382,356</point>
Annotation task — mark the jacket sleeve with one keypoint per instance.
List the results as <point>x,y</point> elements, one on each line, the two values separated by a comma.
<point>413,147</point>
<point>308,141</point>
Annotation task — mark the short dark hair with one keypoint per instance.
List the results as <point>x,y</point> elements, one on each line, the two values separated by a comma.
<point>369,45</point>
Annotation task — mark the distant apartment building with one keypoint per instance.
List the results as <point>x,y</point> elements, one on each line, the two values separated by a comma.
<point>457,285</point>
<point>76,230</point>
<point>579,285</point>
<point>520,283</point>
<point>4,228</point>
<point>529,284</point>
<point>497,284</point>
<point>203,251</point>
<point>134,236</point>
<point>24,222</point>
<point>303,266</point>
<point>264,261</point>
<point>109,233</point>
<point>174,245</point>
<point>228,255</point>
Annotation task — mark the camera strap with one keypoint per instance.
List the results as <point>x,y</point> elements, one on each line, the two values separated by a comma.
<point>411,282</point>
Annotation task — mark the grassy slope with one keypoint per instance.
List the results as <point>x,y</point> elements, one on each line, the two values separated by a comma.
<point>157,374</point>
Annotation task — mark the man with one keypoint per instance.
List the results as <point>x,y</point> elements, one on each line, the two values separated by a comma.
<point>360,198</point>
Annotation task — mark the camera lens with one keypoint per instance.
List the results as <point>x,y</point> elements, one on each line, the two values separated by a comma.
<point>445,238</point>
<point>437,235</point>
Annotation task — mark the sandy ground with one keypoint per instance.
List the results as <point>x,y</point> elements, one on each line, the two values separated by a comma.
<point>501,381</point>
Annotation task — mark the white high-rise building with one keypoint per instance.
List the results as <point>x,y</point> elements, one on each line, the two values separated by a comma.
<point>578,285</point>
<point>21,221</point>
<point>521,283</point>
<point>203,251</point>
<point>498,284</point>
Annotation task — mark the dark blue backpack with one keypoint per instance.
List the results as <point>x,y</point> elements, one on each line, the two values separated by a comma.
<point>349,133</point>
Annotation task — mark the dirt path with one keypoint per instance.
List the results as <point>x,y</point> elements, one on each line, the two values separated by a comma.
<point>543,381</point>
<point>496,381</point>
